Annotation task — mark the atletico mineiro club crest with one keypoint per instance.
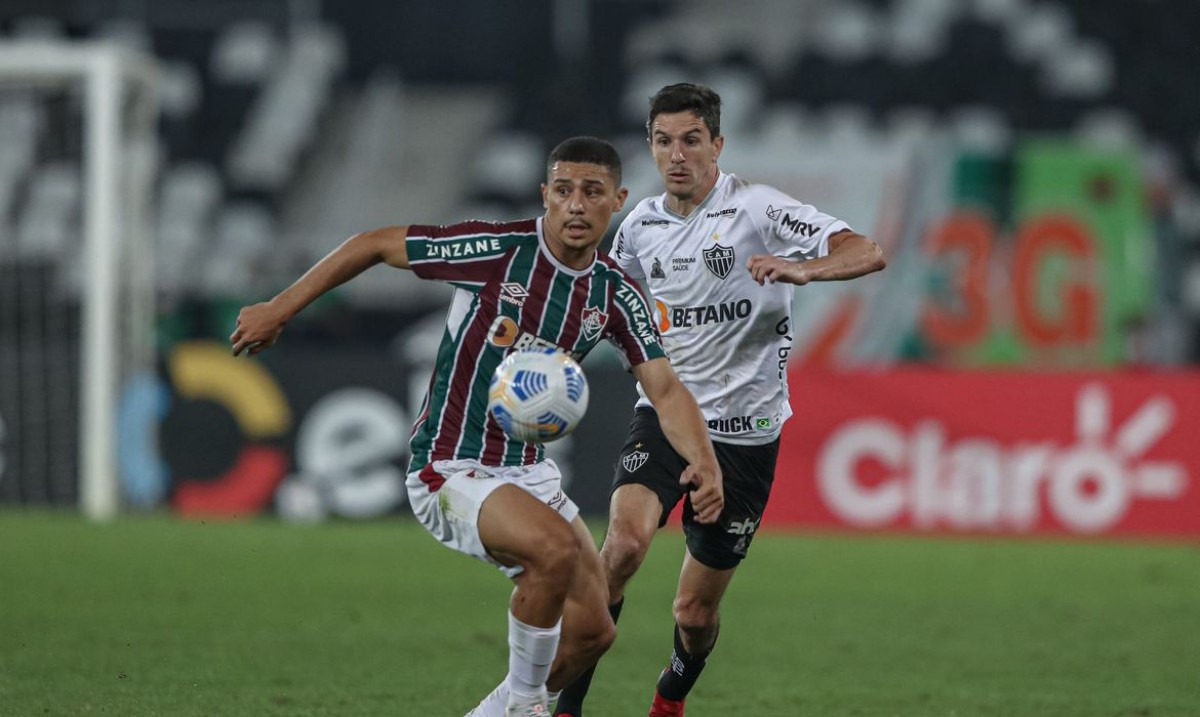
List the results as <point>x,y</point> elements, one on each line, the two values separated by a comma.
<point>635,460</point>
<point>719,260</point>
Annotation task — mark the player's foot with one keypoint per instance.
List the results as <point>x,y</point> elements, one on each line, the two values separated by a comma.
<point>537,706</point>
<point>663,707</point>
<point>536,710</point>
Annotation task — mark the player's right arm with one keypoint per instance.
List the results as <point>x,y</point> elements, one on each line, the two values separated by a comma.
<point>684,426</point>
<point>259,326</point>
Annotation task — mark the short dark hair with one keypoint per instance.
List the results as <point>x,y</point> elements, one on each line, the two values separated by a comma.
<point>588,150</point>
<point>688,97</point>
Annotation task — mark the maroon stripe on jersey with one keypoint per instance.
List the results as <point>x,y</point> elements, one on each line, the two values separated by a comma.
<point>431,478</point>
<point>462,271</point>
<point>573,321</point>
<point>461,379</point>
<point>541,281</point>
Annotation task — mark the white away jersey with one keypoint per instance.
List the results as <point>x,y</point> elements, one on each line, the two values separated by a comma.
<point>727,337</point>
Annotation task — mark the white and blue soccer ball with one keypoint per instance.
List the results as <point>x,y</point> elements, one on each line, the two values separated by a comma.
<point>538,395</point>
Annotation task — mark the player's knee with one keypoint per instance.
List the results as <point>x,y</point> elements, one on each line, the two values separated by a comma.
<point>557,555</point>
<point>623,553</point>
<point>599,636</point>
<point>694,615</point>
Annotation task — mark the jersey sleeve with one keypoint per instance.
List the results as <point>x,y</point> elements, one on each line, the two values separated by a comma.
<point>625,253</point>
<point>631,329</point>
<point>465,254</point>
<point>790,228</point>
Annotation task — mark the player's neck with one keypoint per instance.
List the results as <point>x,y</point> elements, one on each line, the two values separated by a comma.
<point>683,206</point>
<point>576,258</point>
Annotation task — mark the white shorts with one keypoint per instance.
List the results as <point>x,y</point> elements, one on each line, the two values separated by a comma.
<point>451,513</point>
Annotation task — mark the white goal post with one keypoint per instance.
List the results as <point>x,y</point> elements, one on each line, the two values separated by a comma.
<point>117,168</point>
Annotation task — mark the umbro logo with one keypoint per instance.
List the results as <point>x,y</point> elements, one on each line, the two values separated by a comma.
<point>513,293</point>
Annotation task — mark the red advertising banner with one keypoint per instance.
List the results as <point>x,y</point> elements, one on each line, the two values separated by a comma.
<point>929,451</point>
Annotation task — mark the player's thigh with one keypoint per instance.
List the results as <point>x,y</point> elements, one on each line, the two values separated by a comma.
<point>451,512</point>
<point>634,514</point>
<point>649,462</point>
<point>518,529</point>
<point>749,472</point>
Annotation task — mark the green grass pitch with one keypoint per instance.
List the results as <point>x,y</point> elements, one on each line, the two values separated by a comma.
<point>156,616</point>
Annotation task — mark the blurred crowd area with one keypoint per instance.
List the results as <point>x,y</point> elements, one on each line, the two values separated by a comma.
<point>1031,167</point>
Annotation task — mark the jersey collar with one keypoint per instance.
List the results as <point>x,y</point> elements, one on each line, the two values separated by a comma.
<point>544,248</point>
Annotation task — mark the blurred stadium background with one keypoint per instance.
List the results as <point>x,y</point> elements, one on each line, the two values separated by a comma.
<point>1032,168</point>
<point>1026,366</point>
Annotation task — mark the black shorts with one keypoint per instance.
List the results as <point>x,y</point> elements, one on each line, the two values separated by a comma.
<point>648,459</point>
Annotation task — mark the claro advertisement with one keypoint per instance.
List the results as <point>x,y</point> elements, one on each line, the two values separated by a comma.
<point>316,434</point>
<point>1003,453</point>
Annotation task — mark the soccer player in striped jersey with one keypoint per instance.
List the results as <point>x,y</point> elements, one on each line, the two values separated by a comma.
<point>719,257</point>
<point>533,283</point>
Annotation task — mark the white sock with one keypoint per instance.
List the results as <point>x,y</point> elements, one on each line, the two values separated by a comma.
<point>530,652</point>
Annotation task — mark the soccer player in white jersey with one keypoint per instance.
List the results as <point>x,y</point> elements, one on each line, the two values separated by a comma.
<point>535,282</point>
<point>719,256</point>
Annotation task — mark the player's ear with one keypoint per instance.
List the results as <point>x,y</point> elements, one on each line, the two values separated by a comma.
<point>622,195</point>
<point>718,143</point>
<point>545,203</point>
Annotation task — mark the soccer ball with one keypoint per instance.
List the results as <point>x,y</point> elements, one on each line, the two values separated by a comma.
<point>538,395</point>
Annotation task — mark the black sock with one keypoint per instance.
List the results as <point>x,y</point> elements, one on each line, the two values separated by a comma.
<point>677,680</point>
<point>570,702</point>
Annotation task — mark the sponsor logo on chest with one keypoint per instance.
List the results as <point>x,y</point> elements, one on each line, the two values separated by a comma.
<point>686,317</point>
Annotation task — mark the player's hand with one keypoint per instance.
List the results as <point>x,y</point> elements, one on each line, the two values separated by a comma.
<point>258,328</point>
<point>707,491</point>
<point>765,267</point>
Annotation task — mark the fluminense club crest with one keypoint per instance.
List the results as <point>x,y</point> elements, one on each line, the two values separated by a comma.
<point>593,323</point>
<point>719,260</point>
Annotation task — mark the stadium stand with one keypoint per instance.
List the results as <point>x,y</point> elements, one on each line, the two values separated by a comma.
<point>267,105</point>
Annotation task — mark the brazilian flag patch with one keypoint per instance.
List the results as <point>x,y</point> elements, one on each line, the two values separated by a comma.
<point>762,424</point>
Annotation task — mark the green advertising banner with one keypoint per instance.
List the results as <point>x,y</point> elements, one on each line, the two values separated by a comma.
<point>1044,260</point>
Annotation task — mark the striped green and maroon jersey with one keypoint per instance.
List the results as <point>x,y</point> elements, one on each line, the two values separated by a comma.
<point>511,293</point>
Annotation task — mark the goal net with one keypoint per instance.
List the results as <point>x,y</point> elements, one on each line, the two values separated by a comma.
<point>77,163</point>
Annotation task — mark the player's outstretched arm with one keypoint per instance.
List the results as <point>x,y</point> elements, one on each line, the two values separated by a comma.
<point>851,255</point>
<point>259,326</point>
<point>685,428</point>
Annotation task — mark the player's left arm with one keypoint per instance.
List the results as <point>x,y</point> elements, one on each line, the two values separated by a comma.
<point>684,426</point>
<point>850,255</point>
